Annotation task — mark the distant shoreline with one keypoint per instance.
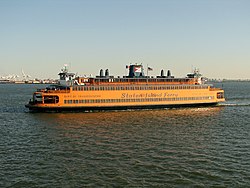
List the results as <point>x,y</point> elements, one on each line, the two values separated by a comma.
<point>55,82</point>
<point>26,82</point>
<point>228,80</point>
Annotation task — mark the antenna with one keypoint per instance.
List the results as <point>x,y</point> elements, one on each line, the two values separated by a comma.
<point>70,65</point>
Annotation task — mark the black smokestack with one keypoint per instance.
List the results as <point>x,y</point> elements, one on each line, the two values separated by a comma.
<point>107,73</point>
<point>162,73</point>
<point>169,73</point>
<point>101,73</point>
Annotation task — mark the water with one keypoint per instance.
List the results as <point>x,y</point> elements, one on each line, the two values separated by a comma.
<point>187,147</point>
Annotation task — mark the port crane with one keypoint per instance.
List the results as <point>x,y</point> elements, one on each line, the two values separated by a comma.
<point>25,76</point>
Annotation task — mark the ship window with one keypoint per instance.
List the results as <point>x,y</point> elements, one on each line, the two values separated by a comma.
<point>220,95</point>
<point>51,99</point>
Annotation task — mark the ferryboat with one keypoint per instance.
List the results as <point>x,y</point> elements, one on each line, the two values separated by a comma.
<point>134,91</point>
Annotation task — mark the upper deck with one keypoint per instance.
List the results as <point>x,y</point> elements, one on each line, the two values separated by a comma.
<point>135,81</point>
<point>136,76</point>
<point>128,87</point>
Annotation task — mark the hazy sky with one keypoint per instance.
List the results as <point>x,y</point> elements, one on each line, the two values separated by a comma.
<point>41,36</point>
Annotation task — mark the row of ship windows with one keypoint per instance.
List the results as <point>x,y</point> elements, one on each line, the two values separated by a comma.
<point>104,88</point>
<point>119,80</point>
<point>137,100</point>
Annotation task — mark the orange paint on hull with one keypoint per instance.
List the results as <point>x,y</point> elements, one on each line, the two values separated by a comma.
<point>73,98</point>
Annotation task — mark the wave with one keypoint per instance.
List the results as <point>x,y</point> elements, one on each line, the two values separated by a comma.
<point>234,104</point>
<point>236,101</point>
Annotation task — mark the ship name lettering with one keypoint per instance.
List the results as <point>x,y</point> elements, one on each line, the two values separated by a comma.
<point>134,95</point>
<point>142,95</point>
<point>170,95</point>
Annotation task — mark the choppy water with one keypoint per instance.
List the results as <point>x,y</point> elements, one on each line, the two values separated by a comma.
<point>185,147</point>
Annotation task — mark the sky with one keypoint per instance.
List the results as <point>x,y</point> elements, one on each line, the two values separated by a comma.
<point>41,36</point>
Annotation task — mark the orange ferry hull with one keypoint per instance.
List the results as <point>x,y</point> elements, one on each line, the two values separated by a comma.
<point>88,98</point>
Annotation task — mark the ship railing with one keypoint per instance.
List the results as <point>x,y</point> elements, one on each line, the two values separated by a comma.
<point>214,89</point>
<point>53,91</point>
<point>58,91</point>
